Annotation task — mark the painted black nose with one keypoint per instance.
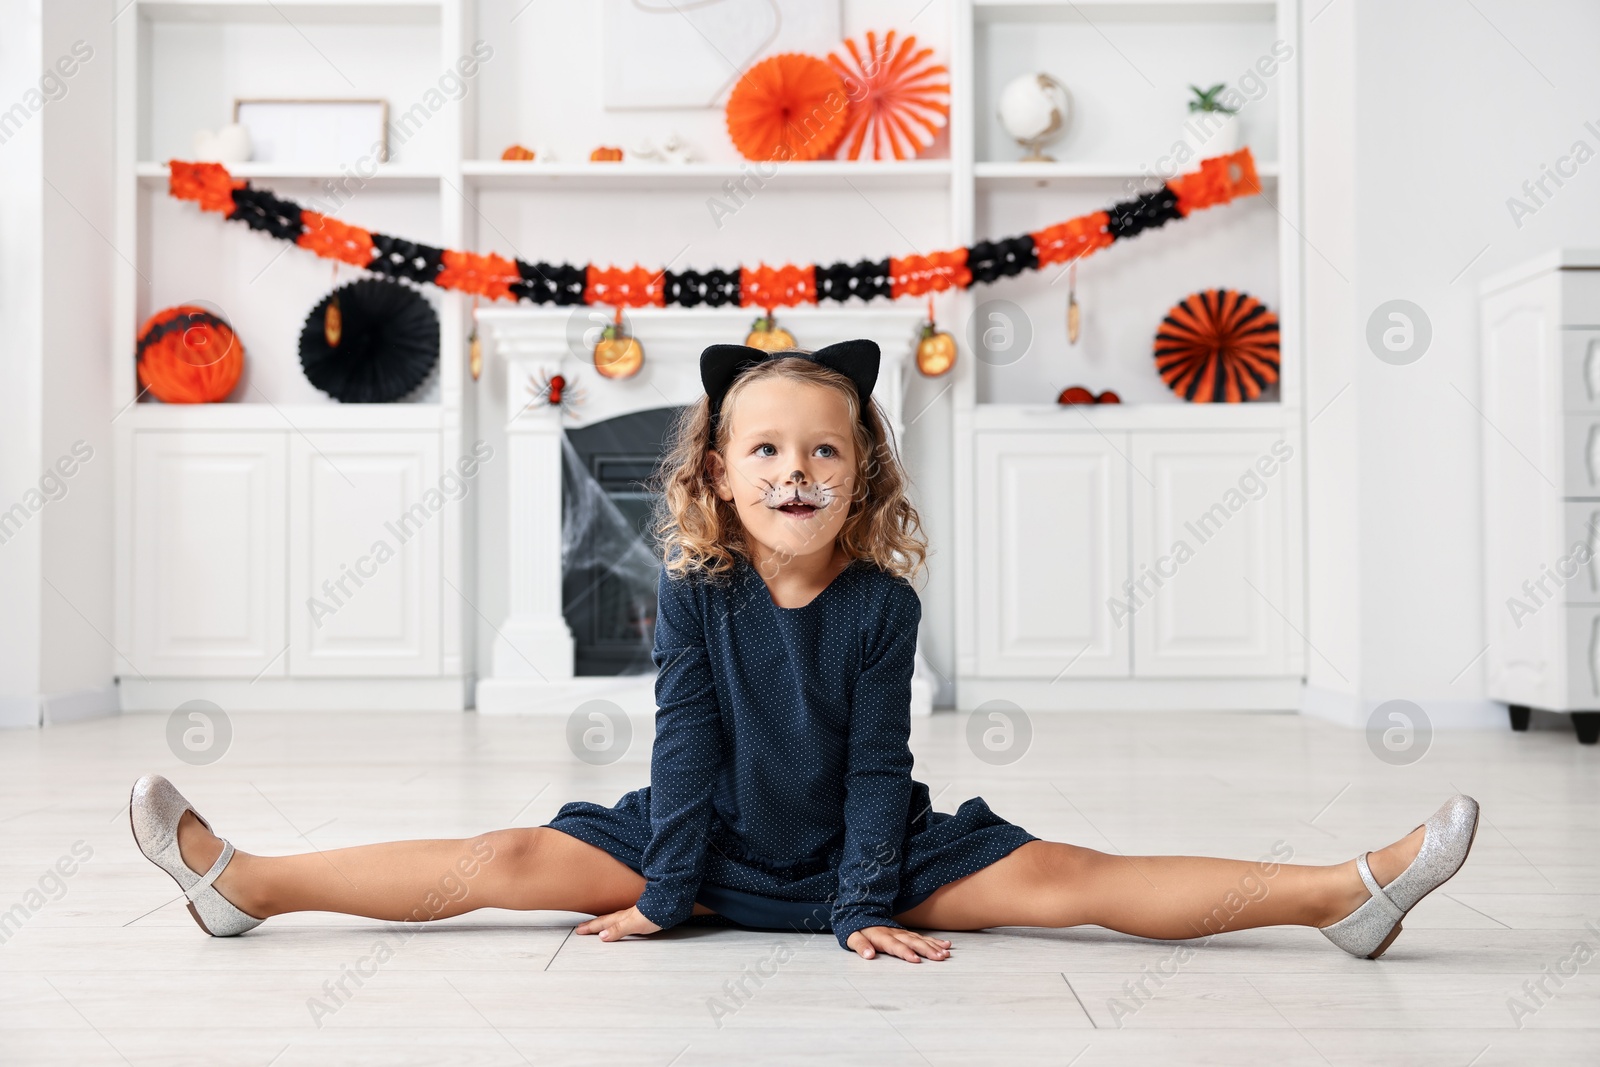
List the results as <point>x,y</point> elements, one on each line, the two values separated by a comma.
<point>798,476</point>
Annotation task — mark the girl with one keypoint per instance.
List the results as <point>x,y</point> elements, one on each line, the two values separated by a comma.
<point>781,794</point>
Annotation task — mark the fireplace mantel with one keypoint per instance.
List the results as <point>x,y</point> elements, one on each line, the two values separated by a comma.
<point>532,666</point>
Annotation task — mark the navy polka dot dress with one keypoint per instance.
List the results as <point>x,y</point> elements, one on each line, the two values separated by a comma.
<point>780,791</point>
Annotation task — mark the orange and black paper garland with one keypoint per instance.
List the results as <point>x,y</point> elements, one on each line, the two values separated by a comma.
<point>1217,181</point>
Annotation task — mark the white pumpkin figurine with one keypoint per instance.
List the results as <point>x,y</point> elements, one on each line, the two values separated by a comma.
<point>231,144</point>
<point>1035,109</point>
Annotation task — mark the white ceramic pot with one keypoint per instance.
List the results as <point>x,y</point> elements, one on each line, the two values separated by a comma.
<point>1212,133</point>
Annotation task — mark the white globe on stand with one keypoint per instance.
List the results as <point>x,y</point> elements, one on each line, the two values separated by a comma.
<point>1035,109</point>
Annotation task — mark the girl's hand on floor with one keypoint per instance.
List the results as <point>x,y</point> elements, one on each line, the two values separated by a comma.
<point>619,924</point>
<point>907,944</point>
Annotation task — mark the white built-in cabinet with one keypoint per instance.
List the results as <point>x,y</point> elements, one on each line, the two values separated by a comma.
<point>1208,537</point>
<point>283,555</point>
<point>1052,551</point>
<point>208,547</point>
<point>1541,467</point>
<point>1131,555</point>
<point>364,517</point>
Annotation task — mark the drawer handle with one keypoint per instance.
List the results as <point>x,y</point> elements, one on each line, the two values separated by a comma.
<point>1594,656</point>
<point>1591,368</point>
<point>1591,454</point>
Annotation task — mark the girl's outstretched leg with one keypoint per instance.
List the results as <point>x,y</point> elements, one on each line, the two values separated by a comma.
<point>524,869</point>
<point>1044,883</point>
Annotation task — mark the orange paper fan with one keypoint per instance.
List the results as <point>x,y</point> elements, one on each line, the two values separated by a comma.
<point>1218,345</point>
<point>899,100</point>
<point>789,106</point>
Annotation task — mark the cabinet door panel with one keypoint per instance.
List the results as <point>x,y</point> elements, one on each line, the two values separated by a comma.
<point>1052,552</point>
<point>208,554</point>
<point>1208,555</point>
<point>364,571</point>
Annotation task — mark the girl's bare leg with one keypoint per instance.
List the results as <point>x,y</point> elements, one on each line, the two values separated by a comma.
<point>1169,897</point>
<point>525,869</point>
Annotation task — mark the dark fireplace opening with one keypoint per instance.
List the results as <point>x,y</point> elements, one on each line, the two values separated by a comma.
<point>610,562</point>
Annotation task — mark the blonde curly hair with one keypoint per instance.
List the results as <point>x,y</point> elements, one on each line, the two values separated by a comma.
<point>699,533</point>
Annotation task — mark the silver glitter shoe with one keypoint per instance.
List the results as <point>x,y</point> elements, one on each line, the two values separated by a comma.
<point>1446,839</point>
<point>153,813</point>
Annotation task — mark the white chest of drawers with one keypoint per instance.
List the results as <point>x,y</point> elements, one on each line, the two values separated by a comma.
<point>1541,468</point>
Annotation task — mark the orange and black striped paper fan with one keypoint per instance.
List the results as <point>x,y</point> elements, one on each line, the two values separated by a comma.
<point>1218,345</point>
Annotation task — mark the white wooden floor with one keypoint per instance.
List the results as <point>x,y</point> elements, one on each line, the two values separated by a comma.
<point>104,968</point>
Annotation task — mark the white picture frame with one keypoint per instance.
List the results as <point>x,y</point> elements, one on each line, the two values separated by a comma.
<point>321,131</point>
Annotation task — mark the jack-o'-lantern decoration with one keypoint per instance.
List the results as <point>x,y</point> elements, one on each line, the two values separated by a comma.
<point>333,323</point>
<point>936,350</point>
<point>517,153</point>
<point>618,353</point>
<point>768,336</point>
<point>606,154</point>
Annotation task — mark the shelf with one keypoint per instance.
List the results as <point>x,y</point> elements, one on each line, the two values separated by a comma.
<point>824,174</point>
<point>292,12</point>
<point>1023,175</point>
<point>1176,415</point>
<point>388,175</point>
<point>1096,11</point>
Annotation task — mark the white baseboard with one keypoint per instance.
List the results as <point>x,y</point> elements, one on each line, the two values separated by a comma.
<point>300,694</point>
<point>1133,694</point>
<point>82,705</point>
<point>17,713</point>
<point>1353,711</point>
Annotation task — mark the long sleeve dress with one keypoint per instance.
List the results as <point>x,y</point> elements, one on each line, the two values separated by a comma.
<point>781,794</point>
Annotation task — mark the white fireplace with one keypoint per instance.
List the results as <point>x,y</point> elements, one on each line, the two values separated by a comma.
<point>532,668</point>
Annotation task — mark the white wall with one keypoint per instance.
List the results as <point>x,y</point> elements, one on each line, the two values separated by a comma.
<point>20,240</point>
<point>55,278</point>
<point>1422,120</point>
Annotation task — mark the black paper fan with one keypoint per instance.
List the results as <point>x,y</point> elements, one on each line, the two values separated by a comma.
<point>388,342</point>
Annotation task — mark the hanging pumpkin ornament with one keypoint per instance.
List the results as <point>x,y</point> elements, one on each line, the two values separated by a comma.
<point>899,100</point>
<point>333,323</point>
<point>474,345</point>
<point>936,350</point>
<point>768,336</point>
<point>618,354</point>
<point>1074,313</point>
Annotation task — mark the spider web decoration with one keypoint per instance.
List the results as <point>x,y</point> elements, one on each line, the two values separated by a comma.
<point>1218,345</point>
<point>899,100</point>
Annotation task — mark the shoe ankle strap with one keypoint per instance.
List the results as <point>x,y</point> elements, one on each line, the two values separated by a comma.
<point>1386,905</point>
<point>216,870</point>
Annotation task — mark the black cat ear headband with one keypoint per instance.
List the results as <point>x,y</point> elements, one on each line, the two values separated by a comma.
<point>721,364</point>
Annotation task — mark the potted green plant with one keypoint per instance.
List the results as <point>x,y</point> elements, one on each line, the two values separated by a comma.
<point>1213,126</point>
